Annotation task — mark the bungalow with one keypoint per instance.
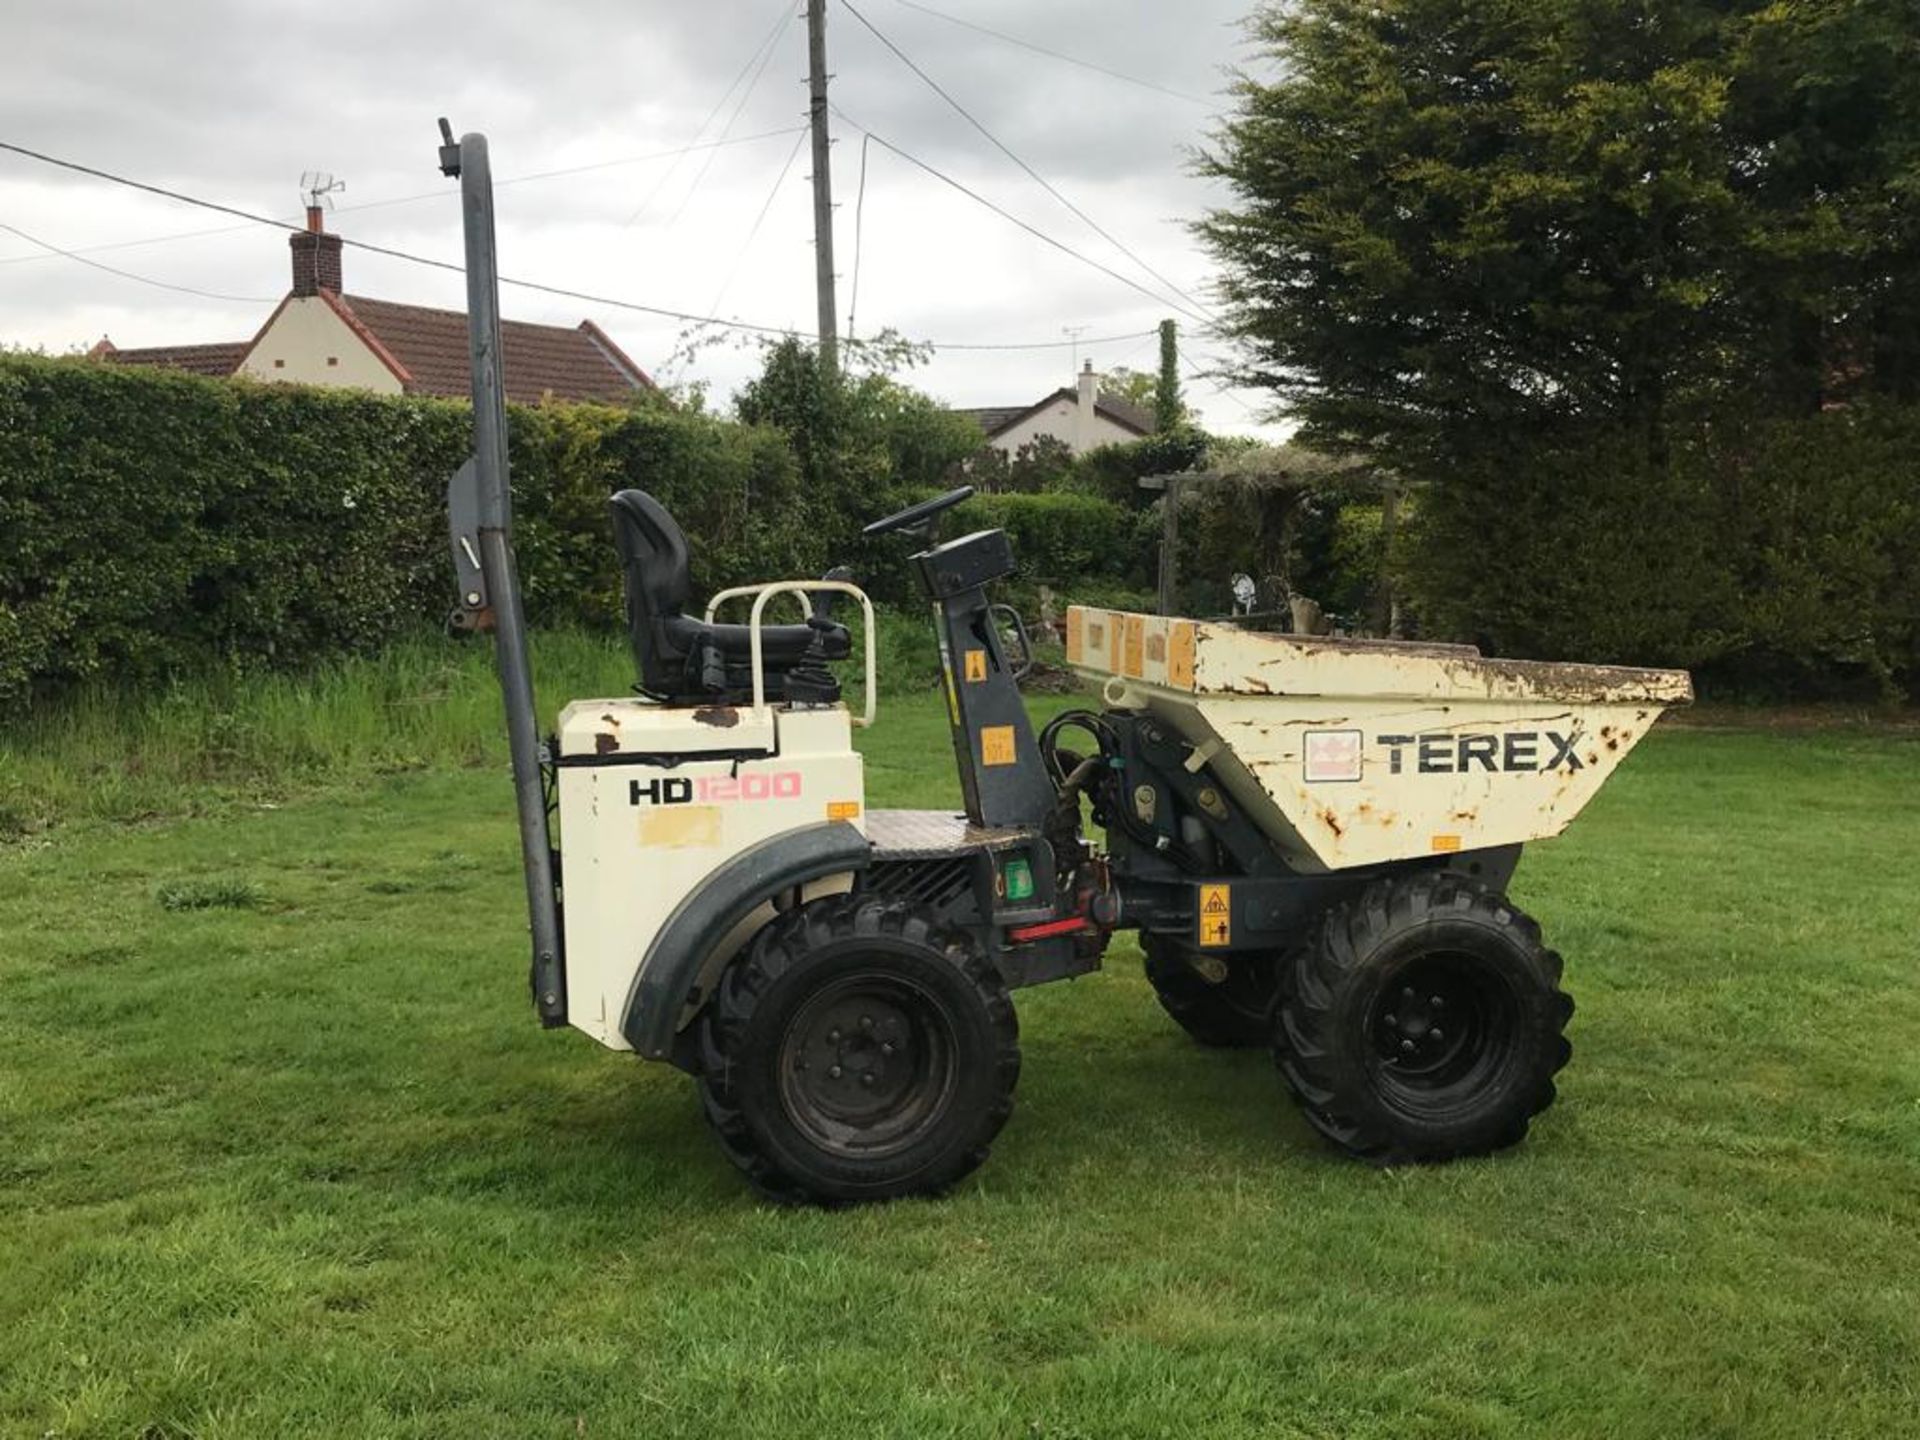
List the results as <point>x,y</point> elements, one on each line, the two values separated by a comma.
<point>1080,418</point>
<point>320,335</point>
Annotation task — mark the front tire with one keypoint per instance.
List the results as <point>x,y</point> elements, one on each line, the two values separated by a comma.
<point>1426,1024</point>
<point>858,1051</point>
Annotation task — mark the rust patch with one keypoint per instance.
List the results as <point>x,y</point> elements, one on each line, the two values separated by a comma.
<point>1332,822</point>
<point>723,717</point>
<point>1076,634</point>
<point>1132,645</point>
<point>610,719</point>
<point>1156,648</point>
<point>605,744</point>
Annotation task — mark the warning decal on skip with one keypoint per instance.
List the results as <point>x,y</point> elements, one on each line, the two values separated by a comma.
<point>1216,915</point>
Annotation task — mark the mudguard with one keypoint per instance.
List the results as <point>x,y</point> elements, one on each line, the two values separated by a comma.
<point>703,918</point>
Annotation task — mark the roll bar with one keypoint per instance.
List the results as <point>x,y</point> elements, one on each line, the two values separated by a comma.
<point>801,589</point>
<point>480,519</point>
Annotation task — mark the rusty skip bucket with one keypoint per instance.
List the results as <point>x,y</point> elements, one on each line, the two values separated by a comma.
<point>1358,752</point>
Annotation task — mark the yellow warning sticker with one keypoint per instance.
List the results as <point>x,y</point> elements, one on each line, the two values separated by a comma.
<point>1445,844</point>
<point>1133,644</point>
<point>1180,656</point>
<point>976,666</point>
<point>1216,914</point>
<point>843,810</point>
<point>996,745</point>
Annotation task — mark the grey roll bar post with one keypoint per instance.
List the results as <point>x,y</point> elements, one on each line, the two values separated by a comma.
<point>480,516</point>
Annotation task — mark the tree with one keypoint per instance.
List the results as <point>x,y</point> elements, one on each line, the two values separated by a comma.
<point>1465,224</point>
<point>1133,386</point>
<point>865,443</point>
<point>1169,410</point>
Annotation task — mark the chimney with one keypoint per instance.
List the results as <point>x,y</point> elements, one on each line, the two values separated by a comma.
<point>1083,430</point>
<point>316,257</point>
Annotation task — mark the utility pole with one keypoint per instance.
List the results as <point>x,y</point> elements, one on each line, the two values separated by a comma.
<point>822,184</point>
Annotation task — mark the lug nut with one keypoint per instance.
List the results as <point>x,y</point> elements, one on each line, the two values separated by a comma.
<point>833,1037</point>
<point>833,1071</point>
<point>1435,1035</point>
<point>1437,1002</point>
<point>867,1079</point>
<point>866,1022</point>
<point>1407,994</point>
<point>1393,1021</point>
<point>1406,1047</point>
<point>886,1047</point>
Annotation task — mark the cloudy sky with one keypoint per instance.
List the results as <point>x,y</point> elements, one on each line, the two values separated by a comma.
<point>233,100</point>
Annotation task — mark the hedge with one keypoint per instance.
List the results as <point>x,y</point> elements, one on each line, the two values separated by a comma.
<point>154,523</point>
<point>1778,558</point>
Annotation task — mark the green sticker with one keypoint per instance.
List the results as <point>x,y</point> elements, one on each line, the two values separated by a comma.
<point>1019,879</point>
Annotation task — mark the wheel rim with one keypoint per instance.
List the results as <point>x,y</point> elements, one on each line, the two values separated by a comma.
<point>867,1065</point>
<point>1441,1027</point>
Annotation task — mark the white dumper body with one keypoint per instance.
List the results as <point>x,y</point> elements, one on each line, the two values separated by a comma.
<point>1357,752</point>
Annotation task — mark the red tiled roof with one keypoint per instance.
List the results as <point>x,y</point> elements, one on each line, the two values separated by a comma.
<point>536,360</point>
<point>221,359</point>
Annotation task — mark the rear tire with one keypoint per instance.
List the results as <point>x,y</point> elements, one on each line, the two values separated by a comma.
<point>858,1051</point>
<point>1233,1013</point>
<point>1426,1023</point>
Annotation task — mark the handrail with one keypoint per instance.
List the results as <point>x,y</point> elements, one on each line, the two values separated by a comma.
<point>801,589</point>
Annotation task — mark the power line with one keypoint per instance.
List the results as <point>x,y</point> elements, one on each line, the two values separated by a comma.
<point>859,225</point>
<point>768,49</point>
<point>500,184</point>
<point>1058,54</point>
<point>1001,146</point>
<point>759,219</point>
<point>79,259</point>
<point>612,303</point>
<point>1011,218</point>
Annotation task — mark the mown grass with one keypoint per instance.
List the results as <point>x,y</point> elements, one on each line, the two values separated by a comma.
<point>212,742</point>
<point>307,1166</point>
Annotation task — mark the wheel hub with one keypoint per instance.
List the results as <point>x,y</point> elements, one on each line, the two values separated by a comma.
<point>858,1055</point>
<point>867,1064</point>
<point>1439,1020</point>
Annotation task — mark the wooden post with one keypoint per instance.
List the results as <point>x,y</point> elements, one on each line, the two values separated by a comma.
<point>822,184</point>
<point>1170,545</point>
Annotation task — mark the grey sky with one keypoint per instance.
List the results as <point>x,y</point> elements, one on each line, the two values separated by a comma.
<point>233,99</point>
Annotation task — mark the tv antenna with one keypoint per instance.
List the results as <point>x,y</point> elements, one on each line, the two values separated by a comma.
<point>320,187</point>
<point>1073,333</point>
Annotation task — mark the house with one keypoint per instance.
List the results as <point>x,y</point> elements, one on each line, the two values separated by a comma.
<point>1080,418</point>
<point>320,335</point>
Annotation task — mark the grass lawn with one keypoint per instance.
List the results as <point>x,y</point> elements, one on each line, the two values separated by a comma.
<point>283,1152</point>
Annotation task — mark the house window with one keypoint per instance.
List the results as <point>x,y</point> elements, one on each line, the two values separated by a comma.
<point>279,364</point>
<point>333,359</point>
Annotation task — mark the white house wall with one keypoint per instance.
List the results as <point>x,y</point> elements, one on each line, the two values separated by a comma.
<point>1059,421</point>
<point>307,343</point>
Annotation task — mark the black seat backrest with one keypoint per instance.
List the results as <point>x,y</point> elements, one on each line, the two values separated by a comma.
<point>654,566</point>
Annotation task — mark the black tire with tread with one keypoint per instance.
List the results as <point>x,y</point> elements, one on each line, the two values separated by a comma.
<point>1326,1045</point>
<point>742,1030</point>
<point>1235,1014</point>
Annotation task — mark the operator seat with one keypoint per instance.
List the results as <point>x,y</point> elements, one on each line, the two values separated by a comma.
<point>683,659</point>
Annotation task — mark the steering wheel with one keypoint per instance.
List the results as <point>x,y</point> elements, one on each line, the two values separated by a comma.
<point>921,516</point>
